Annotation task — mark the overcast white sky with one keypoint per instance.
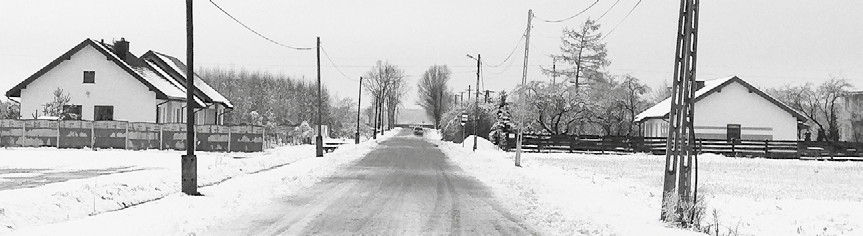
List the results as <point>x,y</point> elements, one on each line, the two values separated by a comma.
<point>768,43</point>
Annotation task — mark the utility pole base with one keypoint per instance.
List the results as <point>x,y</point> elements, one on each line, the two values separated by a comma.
<point>319,146</point>
<point>189,176</point>
<point>357,138</point>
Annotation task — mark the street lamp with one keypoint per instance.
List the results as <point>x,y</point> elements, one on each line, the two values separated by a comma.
<point>476,98</point>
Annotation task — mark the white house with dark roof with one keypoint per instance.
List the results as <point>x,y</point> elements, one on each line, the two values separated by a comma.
<point>729,108</point>
<point>107,82</point>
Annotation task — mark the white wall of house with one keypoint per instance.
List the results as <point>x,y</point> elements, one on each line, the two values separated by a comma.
<point>758,118</point>
<point>132,100</point>
<point>175,112</point>
<point>655,128</point>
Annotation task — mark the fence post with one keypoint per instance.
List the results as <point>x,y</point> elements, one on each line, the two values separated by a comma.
<point>229,138</point>
<point>799,149</point>
<point>58,134</point>
<point>126,144</point>
<point>539,145</point>
<point>23,133</point>
<point>572,142</point>
<point>92,135</point>
<point>766,149</point>
<point>161,136</point>
<point>733,150</point>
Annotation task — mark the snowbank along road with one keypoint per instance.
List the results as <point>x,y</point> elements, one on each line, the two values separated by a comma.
<point>404,187</point>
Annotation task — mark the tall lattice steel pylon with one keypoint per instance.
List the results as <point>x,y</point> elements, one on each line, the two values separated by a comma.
<point>680,150</point>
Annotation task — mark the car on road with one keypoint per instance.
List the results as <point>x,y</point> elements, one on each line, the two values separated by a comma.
<point>418,131</point>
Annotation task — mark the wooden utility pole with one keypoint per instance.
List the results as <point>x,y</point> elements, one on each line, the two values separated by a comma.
<point>523,82</point>
<point>468,93</point>
<point>680,152</point>
<point>189,164</point>
<point>359,102</point>
<point>319,140</point>
<point>476,101</point>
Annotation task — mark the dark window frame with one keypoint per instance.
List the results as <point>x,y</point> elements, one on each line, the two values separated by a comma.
<point>733,132</point>
<point>89,77</point>
<point>71,112</point>
<point>107,113</point>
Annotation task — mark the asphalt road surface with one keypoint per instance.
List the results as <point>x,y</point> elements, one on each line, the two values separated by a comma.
<point>406,186</point>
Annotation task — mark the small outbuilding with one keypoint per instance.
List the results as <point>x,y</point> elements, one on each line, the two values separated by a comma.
<point>729,108</point>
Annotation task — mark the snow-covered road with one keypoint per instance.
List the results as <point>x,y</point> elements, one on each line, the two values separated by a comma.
<point>406,186</point>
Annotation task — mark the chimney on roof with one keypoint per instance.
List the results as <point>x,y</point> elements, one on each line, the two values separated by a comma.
<point>699,85</point>
<point>121,48</point>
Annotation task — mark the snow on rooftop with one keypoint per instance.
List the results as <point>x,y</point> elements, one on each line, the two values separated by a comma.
<point>165,77</point>
<point>661,109</point>
<point>175,64</point>
<point>150,76</point>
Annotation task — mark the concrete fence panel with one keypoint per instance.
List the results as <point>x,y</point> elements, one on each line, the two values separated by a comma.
<point>39,133</point>
<point>214,138</point>
<point>247,139</point>
<point>75,134</point>
<point>11,131</point>
<point>110,134</point>
<point>135,136</point>
<point>174,136</point>
<point>143,136</point>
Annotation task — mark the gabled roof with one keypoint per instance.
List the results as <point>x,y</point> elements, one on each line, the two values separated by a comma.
<point>177,70</point>
<point>661,110</point>
<point>144,70</point>
<point>16,91</point>
<point>162,81</point>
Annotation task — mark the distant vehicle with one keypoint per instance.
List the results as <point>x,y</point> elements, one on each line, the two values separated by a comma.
<point>418,131</point>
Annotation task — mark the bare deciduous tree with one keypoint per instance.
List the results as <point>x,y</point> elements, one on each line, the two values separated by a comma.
<point>387,86</point>
<point>433,92</point>
<point>820,105</point>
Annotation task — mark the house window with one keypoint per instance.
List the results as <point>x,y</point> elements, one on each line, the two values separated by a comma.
<point>89,77</point>
<point>733,132</point>
<point>103,113</point>
<point>71,112</point>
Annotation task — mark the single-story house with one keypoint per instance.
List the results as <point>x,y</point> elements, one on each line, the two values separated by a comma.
<point>729,108</point>
<point>107,82</point>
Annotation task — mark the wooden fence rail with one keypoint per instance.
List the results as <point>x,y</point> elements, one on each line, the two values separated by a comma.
<point>777,149</point>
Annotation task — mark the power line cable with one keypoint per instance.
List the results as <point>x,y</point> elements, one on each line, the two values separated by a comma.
<point>568,18</point>
<point>504,69</point>
<point>512,52</point>
<point>334,65</point>
<point>621,21</point>
<point>256,32</point>
<point>609,9</point>
<point>543,34</point>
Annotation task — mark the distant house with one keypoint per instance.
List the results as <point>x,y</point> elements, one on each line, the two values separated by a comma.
<point>729,108</point>
<point>107,82</point>
<point>851,117</point>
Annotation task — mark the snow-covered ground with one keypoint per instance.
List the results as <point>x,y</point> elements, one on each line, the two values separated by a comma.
<point>63,207</point>
<point>608,194</point>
